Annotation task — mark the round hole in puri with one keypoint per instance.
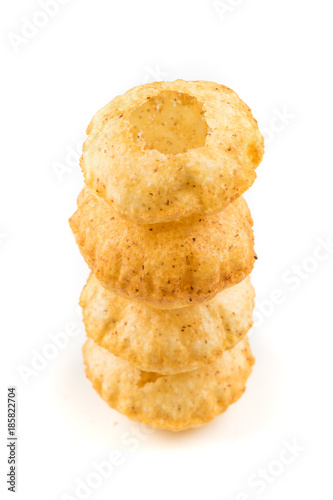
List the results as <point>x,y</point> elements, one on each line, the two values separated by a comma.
<point>170,122</point>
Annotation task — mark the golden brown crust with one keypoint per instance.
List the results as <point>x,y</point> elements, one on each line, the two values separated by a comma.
<point>173,402</point>
<point>172,341</point>
<point>122,163</point>
<point>167,265</point>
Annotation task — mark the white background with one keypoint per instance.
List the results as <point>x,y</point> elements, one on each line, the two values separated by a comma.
<point>277,55</point>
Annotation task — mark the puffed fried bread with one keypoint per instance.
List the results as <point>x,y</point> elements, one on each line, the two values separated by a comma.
<point>174,402</point>
<point>167,265</point>
<point>167,150</point>
<point>167,341</point>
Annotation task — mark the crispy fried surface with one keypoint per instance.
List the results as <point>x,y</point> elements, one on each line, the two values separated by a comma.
<point>167,265</point>
<point>166,150</point>
<point>167,341</point>
<point>173,402</point>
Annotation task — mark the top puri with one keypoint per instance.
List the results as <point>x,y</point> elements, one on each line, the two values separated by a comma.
<point>167,150</point>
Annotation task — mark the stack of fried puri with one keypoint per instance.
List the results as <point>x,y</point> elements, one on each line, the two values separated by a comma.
<point>168,239</point>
